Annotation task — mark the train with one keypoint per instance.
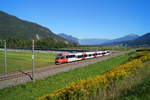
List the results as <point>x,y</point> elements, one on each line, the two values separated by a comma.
<point>71,57</point>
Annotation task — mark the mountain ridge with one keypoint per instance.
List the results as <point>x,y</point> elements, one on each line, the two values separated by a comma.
<point>18,33</point>
<point>142,40</point>
<point>128,37</point>
<point>12,26</point>
<point>69,38</point>
<point>98,41</point>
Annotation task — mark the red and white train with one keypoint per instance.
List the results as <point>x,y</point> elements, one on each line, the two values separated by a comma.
<point>70,57</point>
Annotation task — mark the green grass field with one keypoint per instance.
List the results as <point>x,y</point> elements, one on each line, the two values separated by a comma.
<point>22,60</point>
<point>32,90</point>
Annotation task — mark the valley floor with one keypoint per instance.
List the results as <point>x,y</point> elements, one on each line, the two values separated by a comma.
<point>32,90</point>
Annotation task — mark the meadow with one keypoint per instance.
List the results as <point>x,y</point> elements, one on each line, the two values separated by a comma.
<point>33,90</point>
<point>22,60</point>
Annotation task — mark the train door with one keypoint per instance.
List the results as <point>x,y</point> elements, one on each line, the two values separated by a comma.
<point>71,58</point>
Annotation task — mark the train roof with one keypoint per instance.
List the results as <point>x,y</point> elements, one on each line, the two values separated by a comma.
<point>79,53</point>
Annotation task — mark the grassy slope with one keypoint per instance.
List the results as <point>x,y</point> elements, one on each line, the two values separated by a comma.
<point>31,90</point>
<point>140,91</point>
<point>22,60</point>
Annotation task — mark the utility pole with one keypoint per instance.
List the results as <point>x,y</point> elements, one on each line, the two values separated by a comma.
<point>33,65</point>
<point>5,57</point>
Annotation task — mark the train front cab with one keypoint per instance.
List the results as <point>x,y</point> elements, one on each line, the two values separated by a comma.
<point>60,60</point>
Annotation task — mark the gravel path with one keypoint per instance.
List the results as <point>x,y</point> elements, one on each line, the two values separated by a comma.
<point>54,69</point>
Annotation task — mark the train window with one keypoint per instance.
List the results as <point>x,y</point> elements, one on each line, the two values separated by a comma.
<point>70,56</point>
<point>67,56</point>
<point>90,54</point>
<point>85,55</point>
<point>62,57</point>
<point>80,56</point>
<point>73,56</point>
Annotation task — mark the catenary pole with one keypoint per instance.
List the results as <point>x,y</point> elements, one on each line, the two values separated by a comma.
<point>33,63</point>
<point>5,56</point>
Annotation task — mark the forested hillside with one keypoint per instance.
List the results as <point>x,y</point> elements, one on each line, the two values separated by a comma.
<point>19,33</point>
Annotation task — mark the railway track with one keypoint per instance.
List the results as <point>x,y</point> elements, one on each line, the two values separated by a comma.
<point>13,75</point>
<point>56,68</point>
<point>21,73</point>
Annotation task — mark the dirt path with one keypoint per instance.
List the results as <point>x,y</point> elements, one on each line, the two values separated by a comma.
<point>25,76</point>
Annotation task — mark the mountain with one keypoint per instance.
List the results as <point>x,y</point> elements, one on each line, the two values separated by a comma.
<point>107,41</point>
<point>69,38</point>
<point>143,40</point>
<point>18,33</point>
<point>92,41</point>
<point>121,39</point>
<point>11,26</point>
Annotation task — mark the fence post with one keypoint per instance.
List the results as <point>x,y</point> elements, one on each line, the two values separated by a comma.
<point>5,56</point>
<point>33,65</point>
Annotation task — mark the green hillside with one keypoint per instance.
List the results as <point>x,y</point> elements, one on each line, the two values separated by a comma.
<point>11,26</point>
<point>19,33</point>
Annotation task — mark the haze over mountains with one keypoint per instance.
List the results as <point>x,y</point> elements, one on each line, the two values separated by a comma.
<point>125,38</point>
<point>107,41</point>
<point>92,41</point>
<point>128,40</point>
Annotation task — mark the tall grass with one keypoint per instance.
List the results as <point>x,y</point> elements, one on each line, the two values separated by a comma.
<point>139,86</point>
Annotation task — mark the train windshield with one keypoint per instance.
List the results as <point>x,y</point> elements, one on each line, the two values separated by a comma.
<point>62,57</point>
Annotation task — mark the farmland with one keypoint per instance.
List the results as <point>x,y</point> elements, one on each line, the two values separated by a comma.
<point>22,60</point>
<point>31,90</point>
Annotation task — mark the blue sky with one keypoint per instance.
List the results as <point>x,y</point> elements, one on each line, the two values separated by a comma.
<point>84,18</point>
